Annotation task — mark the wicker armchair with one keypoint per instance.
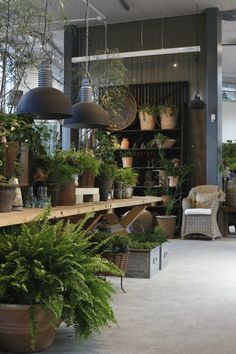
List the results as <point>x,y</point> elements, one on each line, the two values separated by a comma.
<point>200,212</point>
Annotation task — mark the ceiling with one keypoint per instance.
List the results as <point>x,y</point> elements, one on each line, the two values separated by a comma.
<point>112,11</point>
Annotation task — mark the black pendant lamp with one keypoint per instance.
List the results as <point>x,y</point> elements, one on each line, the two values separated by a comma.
<point>45,102</point>
<point>87,114</point>
<point>197,102</point>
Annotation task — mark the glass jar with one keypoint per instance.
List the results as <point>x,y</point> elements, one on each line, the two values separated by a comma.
<point>42,197</point>
<point>30,200</point>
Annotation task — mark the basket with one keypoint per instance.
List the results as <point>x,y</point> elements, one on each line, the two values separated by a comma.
<point>119,259</point>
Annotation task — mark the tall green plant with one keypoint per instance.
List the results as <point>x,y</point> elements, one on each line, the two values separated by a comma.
<point>55,266</point>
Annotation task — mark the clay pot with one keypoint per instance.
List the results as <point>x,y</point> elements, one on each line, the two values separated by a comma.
<point>166,199</point>
<point>86,180</point>
<point>67,194</point>
<point>173,181</point>
<point>167,224</point>
<point>15,329</point>
<point>124,143</point>
<point>147,121</point>
<point>127,161</point>
<point>167,119</point>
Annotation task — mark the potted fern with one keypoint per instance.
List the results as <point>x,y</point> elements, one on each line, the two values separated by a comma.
<point>48,274</point>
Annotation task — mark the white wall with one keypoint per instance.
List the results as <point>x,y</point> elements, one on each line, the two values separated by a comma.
<point>228,121</point>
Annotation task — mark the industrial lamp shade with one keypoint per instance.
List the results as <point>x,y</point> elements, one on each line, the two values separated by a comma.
<point>197,103</point>
<point>87,115</point>
<point>45,103</point>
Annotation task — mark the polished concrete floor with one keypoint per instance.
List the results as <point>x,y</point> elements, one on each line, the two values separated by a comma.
<point>188,308</point>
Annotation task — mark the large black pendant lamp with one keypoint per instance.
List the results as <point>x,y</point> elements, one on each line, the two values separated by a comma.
<point>45,102</point>
<point>87,114</point>
<point>197,102</point>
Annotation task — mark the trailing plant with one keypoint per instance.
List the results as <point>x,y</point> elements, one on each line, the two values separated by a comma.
<point>159,140</point>
<point>54,265</point>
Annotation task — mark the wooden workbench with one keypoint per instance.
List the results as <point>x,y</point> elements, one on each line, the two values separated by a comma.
<point>137,204</point>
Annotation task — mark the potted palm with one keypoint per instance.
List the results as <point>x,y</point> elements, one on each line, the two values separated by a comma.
<point>48,274</point>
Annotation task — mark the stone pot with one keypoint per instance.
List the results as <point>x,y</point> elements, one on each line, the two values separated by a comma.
<point>105,187</point>
<point>15,329</point>
<point>7,196</point>
<point>147,121</point>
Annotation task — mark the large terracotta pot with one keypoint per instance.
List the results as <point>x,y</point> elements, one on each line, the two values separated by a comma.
<point>15,329</point>
<point>86,180</point>
<point>167,224</point>
<point>67,194</point>
<point>7,196</point>
<point>167,119</point>
<point>11,152</point>
<point>147,121</point>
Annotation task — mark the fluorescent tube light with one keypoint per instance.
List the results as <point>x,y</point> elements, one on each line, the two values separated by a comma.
<point>140,53</point>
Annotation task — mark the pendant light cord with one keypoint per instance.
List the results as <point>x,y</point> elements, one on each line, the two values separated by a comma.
<point>87,39</point>
<point>197,55</point>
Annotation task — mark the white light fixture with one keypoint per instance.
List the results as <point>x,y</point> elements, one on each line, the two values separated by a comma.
<point>140,53</point>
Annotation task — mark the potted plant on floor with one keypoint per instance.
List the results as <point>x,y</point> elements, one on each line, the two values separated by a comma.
<point>145,258</point>
<point>147,116</point>
<point>168,115</point>
<point>48,274</point>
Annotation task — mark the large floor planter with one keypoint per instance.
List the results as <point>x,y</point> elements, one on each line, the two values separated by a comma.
<point>105,188</point>
<point>15,329</point>
<point>164,258</point>
<point>7,196</point>
<point>167,223</point>
<point>144,263</point>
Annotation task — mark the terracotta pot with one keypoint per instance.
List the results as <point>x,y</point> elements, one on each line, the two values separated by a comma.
<point>166,199</point>
<point>147,121</point>
<point>124,143</point>
<point>15,329</point>
<point>167,120</point>
<point>67,194</point>
<point>11,152</point>
<point>167,224</point>
<point>86,180</point>
<point>127,161</point>
<point>173,181</point>
<point>7,196</point>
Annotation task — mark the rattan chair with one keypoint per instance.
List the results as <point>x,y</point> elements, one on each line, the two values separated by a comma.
<point>200,212</point>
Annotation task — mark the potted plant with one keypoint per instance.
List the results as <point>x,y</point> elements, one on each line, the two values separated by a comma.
<point>168,115</point>
<point>127,157</point>
<point>145,258</point>
<point>89,168</point>
<point>147,116</point>
<point>48,274</point>
<point>130,179</point>
<point>105,180</point>
<point>161,141</point>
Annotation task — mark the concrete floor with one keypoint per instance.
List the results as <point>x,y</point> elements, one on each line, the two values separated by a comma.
<point>188,308</point>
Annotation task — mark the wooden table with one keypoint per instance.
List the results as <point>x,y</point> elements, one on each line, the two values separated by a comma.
<point>137,205</point>
<point>223,218</point>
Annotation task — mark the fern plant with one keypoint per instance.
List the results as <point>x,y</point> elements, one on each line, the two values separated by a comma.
<point>55,266</point>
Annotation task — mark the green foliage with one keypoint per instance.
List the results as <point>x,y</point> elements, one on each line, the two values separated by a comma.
<point>158,141</point>
<point>150,109</point>
<point>167,104</point>
<point>107,171</point>
<point>126,175</point>
<point>106,144</point>
<point>173,167</point>
<point>106,242</point>
<point>228,156</point>
<point>126,152</point>
<point>147,240</point>
<point>54,265</point>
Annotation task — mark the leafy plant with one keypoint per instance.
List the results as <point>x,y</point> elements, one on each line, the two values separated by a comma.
<point>106,242</point>
<point>126,175</point>
<point>150,109</point>
<point>228,156</point>
<point>173,167</point>
<point>147,240</point>
<point>106,144</point>
<point>159,140</point>
<point>126,153</point>
<point>107,171</point>
<point>167,104</point>
<point>82,160</point>
<point>54,265</point>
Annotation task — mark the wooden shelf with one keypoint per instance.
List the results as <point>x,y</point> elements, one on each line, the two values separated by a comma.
<point>131,131</point>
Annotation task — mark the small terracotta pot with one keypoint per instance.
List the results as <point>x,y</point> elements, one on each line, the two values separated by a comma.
<point>173,181</point>
<point>124,143</point>
<point>127,161</point>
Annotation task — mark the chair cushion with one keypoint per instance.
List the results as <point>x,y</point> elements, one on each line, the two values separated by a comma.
<point>197,211</point>
<point>204,200</point>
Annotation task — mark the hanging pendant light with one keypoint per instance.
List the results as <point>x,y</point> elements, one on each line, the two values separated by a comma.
<point>45,102</point>
<point>87,114</point>
<point>197,102</point>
